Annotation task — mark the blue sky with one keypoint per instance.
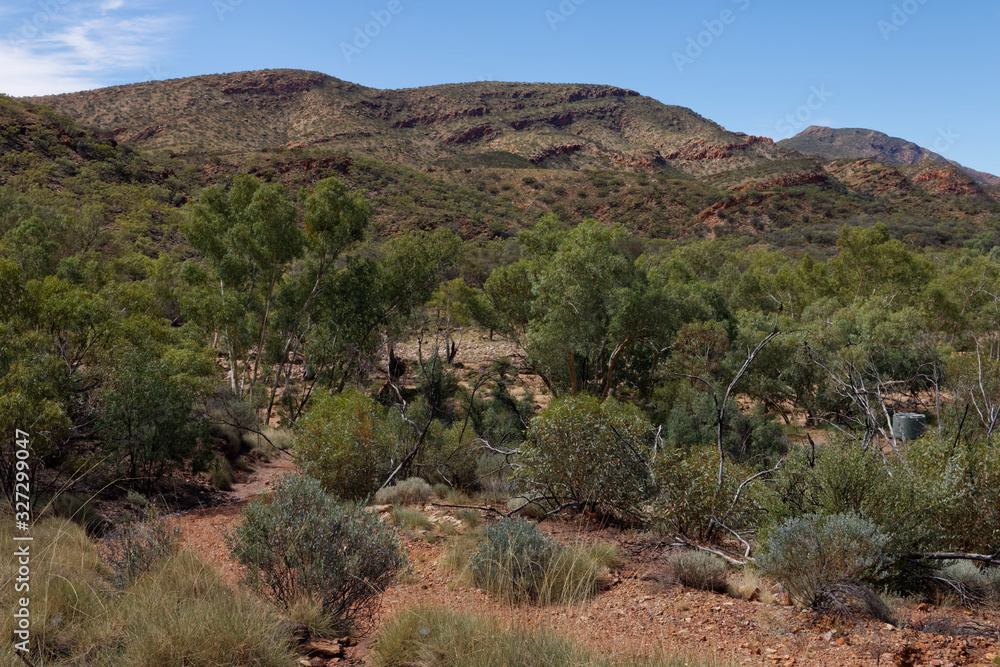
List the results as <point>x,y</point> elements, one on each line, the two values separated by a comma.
<point>925,70</point>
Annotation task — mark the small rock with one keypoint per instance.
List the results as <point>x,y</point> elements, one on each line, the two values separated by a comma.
<point>325,648</point>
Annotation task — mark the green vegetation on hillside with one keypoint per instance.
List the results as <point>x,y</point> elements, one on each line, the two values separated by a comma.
<point>737,392</point>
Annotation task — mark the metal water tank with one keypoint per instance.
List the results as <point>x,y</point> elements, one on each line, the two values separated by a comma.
<point>908,425</point>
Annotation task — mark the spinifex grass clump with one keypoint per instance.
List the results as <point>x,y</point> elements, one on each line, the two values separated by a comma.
<point>432,636</point>
<point>576,573</point>
<point>516,562</point>
<point>407,492</point>
<point>696,569</point>
<point>175,612</point>
<point>512,559</point>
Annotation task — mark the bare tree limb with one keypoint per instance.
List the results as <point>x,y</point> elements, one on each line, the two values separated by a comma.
<point>937,555</point>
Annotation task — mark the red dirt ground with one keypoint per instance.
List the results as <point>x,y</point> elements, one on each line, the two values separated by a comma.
<point>642,611</point>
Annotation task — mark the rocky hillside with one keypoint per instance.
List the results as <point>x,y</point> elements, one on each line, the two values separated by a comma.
<point>488,159</point>
<point>853,143</point>
<point>465,125</point>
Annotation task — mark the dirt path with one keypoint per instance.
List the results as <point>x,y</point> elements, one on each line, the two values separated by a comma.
<point>202,530</point>
<point>643,610</point>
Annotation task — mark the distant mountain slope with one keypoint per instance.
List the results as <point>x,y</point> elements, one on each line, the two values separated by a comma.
<point>853,143</point>
<point>487,159</point>
<point>461,125</point>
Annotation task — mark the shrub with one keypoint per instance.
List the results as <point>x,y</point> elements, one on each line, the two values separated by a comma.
<point>220,473</point>
<point>697,569</point>
<point>145,417</point>
<point>588,453</point>
<point>345,443</point>
<point>136,547</point>
<point>923,505</point>
<point>689,494</point>
<point>963,480</point>
<point>408,492</point>
<point>447,455</point>
<point>303,542</point>
<point>966,581</point>
<point>805,553</point>
<point>512,559</point>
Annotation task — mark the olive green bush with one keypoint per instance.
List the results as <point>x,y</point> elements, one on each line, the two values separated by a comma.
<point>346,443</point>
<point>689,497</point>
<point>590,454</point>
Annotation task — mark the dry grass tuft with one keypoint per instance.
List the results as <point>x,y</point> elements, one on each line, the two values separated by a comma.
<point>435,636</point>
<point>177,613</point>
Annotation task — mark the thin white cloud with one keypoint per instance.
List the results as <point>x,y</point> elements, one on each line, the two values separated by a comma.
<point>81,46</point>
<point>23,74</point>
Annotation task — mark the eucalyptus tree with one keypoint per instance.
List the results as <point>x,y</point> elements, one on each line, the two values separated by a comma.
<point>249,235</point>
<point>335,219</point>
<point>578,304</point>
<point>367,302</point>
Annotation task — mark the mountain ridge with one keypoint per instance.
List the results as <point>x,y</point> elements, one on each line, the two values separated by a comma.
<point>489,158</point>
<point>860,143</point>
<point>574,125</point>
